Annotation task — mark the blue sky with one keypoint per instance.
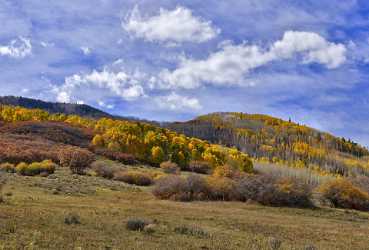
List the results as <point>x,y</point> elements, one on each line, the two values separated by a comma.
<point>173,60</point>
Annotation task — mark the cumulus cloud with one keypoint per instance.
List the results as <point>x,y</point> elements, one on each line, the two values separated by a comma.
<point>232,63</point>
<point>314,48</point>
<point>17,48</point>
<point>170,26</point>
<point>176,102</point>
<point>100,83</point>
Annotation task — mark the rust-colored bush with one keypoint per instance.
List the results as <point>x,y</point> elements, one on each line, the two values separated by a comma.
<point>134,177</point>
<point>77,159</point>
<point>342,193</point>
<point>170,167</point>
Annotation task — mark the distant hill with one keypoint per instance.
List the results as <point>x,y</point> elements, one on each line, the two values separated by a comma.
<point>53,107</point>
<point>271,139</point>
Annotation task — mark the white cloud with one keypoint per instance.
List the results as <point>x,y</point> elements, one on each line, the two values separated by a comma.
<point>176,102</point>
<point>315,48</point>
<point>17,48</point>
<point>170,26</point>
<point>86,50</point>
<point>232,63</point>
<point>101,83</point>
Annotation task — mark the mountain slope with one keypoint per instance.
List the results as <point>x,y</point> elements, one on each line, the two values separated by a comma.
<point>267,138</point>
<point>65,108</point>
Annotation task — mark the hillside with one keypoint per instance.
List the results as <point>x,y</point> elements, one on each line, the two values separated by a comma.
<point>54,107</point>
<point>115,184</point>
<point>266,138</point>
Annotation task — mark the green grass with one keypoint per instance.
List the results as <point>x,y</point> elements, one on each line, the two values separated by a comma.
<point>32,217</point>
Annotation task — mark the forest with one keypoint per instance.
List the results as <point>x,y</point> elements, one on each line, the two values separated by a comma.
<point>269,139</point>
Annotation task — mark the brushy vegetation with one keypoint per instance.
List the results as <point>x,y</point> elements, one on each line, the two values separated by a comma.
<point>44,168</point>
<point>102,169</point>
<point>77,159</point>
<point>134,177</point>
<point>169,167</point>
<point>136,224</point>
<point>7,167</point>
<point>191,231</point>
<point>343,194</point>
<point>266,190</point>
<point>200,167</point>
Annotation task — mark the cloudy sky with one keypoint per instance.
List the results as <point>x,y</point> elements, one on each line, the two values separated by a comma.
<point>173,60</point>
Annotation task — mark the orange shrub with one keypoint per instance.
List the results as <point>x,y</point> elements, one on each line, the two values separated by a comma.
<point>342,193</point>
<point>221,188</point>
<point>77,159</point>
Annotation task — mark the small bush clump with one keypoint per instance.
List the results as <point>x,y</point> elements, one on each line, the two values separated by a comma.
<point>170,167</point>
<point>343,194</point>
<point>77,159</point>
<point>72,218</point>
<point>136,224</point>
<point>191,231</point>
<point>44,168</point>
<point>7,167</point>
<point>102,170</point>
<point>200,167</point>
<point>134,177</point>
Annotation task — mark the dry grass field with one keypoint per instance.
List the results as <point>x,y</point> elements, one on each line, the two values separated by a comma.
<point>33,216</point>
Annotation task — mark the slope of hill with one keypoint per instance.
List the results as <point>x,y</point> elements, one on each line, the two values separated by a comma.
<point>267,138</point>
<point>51,107</point>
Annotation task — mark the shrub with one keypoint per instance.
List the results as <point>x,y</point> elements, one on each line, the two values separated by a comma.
<point>171,188</point>
<point>269,190</point>
<point>226,171</point>
<point>77,159</point>
<point>342,193</point>
<point>7,167</point>
<point>102,170</point>
<point>21,168</point>
<point>37,168</point>
<point>201,167</point>
<point>221,188</point>
<point>191,231</point>
<point>134,177</point>
<point>136,224</point>
<point>72,218</point>
<point>170,167</point>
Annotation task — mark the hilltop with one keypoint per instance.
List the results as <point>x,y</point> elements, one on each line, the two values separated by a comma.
<point>54,107</point>
<point>270,139</point>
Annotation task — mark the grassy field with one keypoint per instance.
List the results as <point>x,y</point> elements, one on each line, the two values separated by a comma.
<point>33,217</point>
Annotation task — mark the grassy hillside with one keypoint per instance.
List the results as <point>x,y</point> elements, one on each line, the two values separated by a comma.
<point>35,211</point>
<point>274,140</point>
